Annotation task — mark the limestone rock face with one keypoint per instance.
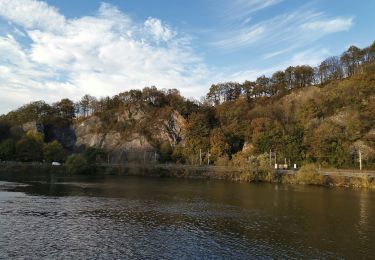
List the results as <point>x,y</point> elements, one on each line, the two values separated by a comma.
<point>33,126</point>
<point>172,129</point>
<point>65,135</point>
<point>130,135</point>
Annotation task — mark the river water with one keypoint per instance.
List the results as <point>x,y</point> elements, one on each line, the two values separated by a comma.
<point>52,217</point>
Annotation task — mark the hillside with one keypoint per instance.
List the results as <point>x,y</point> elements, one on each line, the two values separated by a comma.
<point>302,114</point>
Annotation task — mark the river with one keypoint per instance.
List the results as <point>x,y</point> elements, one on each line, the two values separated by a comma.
<point>109,217</point>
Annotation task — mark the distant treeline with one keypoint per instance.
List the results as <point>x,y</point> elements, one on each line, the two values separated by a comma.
<point>323,114</point>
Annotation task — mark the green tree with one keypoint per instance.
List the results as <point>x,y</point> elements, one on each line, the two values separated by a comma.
<point>30,147</point>
<point>197,136</point>
<point>53,152</point>
<point>165,151</point>
<point>94,155</point>
<point>65,111</point>
<point>7,150</point>
<point>77,164</point>
<point>269,137</point>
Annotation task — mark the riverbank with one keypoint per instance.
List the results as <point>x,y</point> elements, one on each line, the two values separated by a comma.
<point>308,175</point>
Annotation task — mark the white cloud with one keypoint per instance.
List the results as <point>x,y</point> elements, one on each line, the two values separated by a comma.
<point>329,26</point>
<point>242,9</point>
<point>297,28</point>
<point>31,14</point>
<point>102,55</point>
<point>243,38</point>
<point>158,30</point>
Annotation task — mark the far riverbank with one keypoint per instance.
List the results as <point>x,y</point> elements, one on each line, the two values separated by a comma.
<point>308,176</point>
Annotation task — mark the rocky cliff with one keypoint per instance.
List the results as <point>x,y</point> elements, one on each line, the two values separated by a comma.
<point>131,134</point>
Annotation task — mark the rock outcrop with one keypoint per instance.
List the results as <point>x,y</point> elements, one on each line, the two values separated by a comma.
<point>133,135</point>
<point>128,135</point>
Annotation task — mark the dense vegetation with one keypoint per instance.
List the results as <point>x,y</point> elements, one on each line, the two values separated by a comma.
<point>300,115</point>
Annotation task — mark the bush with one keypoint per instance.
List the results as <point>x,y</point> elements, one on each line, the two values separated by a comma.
<point>94,155</point>
<point>53,152</point>
<point>165,151</point>
<point>29,149</point>
<point>7,150</point>
<point>112,171</point>
<point>309,174</point>
<point>77,164</point>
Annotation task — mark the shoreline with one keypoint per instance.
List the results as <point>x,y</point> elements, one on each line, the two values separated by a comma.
<point>325,177</point>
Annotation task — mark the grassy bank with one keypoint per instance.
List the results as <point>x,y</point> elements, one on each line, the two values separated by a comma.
<point>307,175</point>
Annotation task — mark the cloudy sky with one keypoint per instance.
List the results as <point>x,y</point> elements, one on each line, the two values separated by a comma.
<point>67,48</point>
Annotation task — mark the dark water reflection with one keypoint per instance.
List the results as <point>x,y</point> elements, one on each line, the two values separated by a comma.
<point>125,217</point>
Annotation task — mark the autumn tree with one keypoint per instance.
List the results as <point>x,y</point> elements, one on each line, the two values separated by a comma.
<point>219,147</point>
<point>197,136</point>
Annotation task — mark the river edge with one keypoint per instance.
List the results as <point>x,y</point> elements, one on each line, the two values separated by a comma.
<point>326,178</point>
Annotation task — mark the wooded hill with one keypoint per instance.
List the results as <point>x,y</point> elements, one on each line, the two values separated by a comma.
<point>323,114</point>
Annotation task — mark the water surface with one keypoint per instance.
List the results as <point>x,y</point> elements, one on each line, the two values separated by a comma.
<point>56,217</point>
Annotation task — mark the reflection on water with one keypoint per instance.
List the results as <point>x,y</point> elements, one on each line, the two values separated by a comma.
<point>126,217</point>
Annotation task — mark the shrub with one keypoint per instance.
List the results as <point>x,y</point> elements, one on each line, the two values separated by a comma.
<point>309,174</point>
<point>7,150</point>
<point>53,152</point>
<point>77,164</point>
<point>165,151</point>
<point>113,171</point>
<point>29,149</point>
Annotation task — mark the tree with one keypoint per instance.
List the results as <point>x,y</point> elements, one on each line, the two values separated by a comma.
<point>351,59</point>
<point>53,152</point>
<point>77,164</point>
<point>218,145</point>
<point>214,95</point>
<point>292,146</point>
<point>331,69</point>
<point>262,87</point>
<point>267,137</point>
<point>371,51</point>
<point>279,84</point>
<point>4,131</point>
<point>303,76</point>
<point>327,145</point>
<point>248,89</point>
<point>197,135</point>
<point>7,150</point>
<point>165,151</point>
<point>65,110</point>
<point>86,105</point>
<point>94,155</point>
<point>30,148</point>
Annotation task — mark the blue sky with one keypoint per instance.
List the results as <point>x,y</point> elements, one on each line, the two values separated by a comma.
<point>54,49</point>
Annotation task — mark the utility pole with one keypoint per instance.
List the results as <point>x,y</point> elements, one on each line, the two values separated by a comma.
<point>360,159</point>
<point>208,158</point>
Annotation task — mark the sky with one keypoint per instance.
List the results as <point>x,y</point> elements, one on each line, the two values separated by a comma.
<point>54,49</point>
